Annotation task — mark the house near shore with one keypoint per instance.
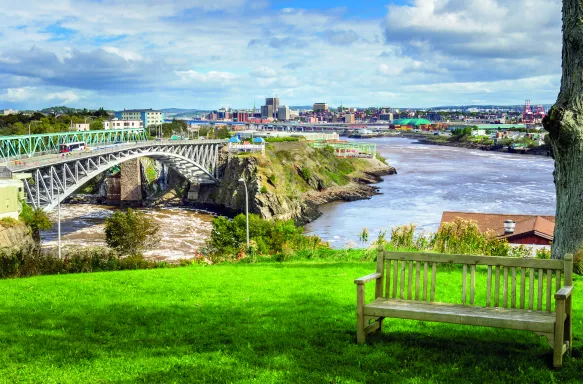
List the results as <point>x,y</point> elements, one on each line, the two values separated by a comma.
<point>517,229</point>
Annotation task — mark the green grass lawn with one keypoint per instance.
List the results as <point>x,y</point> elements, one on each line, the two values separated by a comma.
<point>290,322</point>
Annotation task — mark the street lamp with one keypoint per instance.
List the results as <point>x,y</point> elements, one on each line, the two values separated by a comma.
<point>30,138</point>
<point>90,118</point>
<point>59,222</point>
<point>241,180</point>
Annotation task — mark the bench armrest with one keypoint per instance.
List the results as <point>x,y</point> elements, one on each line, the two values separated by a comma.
<point>367,278</point>
<point>564,293</point>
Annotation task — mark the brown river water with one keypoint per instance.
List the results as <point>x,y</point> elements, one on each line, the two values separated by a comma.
<point>430,179</point>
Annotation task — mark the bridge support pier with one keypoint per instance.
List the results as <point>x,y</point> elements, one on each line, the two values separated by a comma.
<point>131,183</point>
<point>193,192</point>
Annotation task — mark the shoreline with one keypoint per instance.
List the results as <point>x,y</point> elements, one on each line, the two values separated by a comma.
<point>424,139</point>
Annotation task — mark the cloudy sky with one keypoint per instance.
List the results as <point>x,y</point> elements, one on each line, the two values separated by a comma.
<point>220,53</point>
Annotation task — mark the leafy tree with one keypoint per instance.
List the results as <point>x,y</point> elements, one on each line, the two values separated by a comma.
<point>130,232</point>
<point>36,219</point>
<point>565,126</point>
<point>224,133</point>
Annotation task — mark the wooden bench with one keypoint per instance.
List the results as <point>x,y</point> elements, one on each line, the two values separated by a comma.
<point>410,288</point>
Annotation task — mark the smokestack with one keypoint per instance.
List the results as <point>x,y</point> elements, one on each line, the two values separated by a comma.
<point>509,227</point>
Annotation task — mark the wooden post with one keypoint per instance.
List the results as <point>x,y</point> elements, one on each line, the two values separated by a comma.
<point>379,282</point>
<point>360,334</point>
<point>559,335</point>
<point>569,301</point>
<point>381,270</point>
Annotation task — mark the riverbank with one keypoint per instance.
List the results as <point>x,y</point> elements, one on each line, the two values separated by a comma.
<point>421,138</point>
<point>291,181</point>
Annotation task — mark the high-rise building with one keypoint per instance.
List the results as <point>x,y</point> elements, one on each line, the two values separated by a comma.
<point>349,118</point>
<point>272,104</point>
<point>267,111</point>
<point>320,107</point>
<point>283,113</point>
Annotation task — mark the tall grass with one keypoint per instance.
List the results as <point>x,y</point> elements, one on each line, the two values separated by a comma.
<point>458,237</point>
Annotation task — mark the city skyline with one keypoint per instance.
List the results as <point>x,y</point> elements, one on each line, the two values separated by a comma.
<point>191,54</point>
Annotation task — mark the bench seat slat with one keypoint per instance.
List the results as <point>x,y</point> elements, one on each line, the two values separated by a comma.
<point>462,314</point>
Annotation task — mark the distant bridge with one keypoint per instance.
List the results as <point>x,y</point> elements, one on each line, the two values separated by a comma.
<point>56,176</point>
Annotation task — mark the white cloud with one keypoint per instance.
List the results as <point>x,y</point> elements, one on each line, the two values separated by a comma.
<point>126,54</point>
<point>211,77</point>
<point>17,94</point>
<point>196,53</point>
<point>66,97</point>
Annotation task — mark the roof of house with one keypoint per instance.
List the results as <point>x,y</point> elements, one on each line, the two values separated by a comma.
<point>543,226</point>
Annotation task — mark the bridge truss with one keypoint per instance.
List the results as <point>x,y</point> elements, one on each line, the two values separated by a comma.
<point>53,180</point>
<point>16,147</point>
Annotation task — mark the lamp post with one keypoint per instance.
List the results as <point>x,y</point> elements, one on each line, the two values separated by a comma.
<point>241,180</point>
<point>30,138</point>
<point>59,223</point>
<point>90,118</point>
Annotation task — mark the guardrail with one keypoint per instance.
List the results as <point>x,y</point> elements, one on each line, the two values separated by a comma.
<point>40,161</point>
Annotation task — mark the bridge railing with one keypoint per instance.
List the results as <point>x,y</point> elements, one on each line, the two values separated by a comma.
<point>27,146</point>
<point>40,161</point>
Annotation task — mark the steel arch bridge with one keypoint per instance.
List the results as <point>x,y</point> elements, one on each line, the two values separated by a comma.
<point>57,177</point>
<point>26,146</point>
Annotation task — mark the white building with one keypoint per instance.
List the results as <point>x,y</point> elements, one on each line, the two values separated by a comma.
<point>80,127</point>
<point>148,116</point>
<point>10,112</point>
<point>122,124</point>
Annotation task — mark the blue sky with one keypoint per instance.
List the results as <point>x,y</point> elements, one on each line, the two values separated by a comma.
<point>234,53</point>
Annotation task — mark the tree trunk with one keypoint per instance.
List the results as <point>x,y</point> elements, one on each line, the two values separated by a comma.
<point>565,125</point>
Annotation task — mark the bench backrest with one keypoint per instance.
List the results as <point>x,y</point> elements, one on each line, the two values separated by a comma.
<point>406,277</point>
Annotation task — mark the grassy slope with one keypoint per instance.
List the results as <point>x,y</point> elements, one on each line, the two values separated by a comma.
<point>316,166</point>
<point>291,322</point>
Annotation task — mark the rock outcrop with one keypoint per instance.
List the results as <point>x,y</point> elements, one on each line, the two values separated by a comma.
<point>288,186</point>
<point>16,236</point>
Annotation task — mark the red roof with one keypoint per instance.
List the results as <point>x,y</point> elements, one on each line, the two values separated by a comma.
<point>542,226</point>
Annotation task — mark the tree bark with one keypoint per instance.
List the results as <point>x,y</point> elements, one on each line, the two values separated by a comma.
<point>564,123</point>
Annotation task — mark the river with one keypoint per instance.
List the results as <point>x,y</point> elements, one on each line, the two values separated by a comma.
<point>430,180</point>
<point>182,230</point>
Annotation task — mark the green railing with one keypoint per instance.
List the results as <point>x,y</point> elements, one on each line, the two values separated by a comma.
<point>349,149</point>
<point>17,147</point>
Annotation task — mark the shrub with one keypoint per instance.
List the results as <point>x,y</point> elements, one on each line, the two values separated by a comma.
<point>282,139</point>
<point>263,189</point>
<point>402,237</point>
<point>130,232</point>
<point>9,222</point>
<point>36,219</point>
<point>32,261</point>
<point>228,238</point>
<point>464,237</point>
<point>306,173</point>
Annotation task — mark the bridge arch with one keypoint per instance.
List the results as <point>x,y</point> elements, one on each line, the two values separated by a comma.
<point>53,182</point>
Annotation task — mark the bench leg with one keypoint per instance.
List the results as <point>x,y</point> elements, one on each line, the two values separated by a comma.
<point>360,333</point>
<point>559,335</point>
<point>569,323</point>
<point>380,321</point>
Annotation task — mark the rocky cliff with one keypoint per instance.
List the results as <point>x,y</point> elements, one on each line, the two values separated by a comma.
<point>290,181</point>
<point>14,236</point>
